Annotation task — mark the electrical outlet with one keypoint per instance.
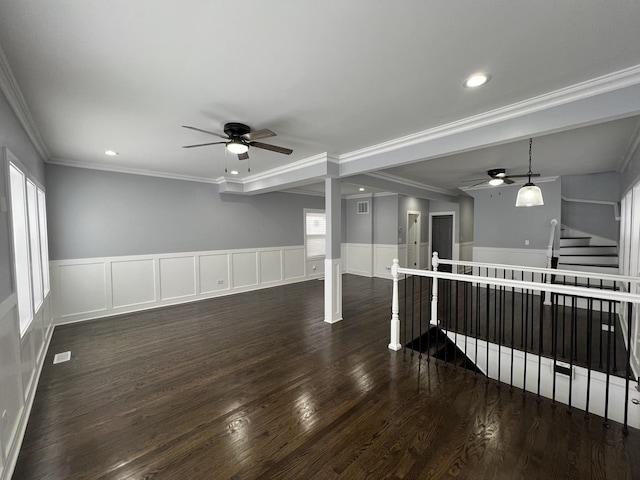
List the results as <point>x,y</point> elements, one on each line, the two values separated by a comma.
<point>526,242</point>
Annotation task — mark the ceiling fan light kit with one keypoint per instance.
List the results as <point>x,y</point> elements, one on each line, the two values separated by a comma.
<point>237,147</point>
<point>494,182</point>
<point>529,195</point>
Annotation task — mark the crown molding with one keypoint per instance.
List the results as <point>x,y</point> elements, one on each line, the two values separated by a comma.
<point>11,89</point>
<point>632,148</point>
<point>133,171</point>
<point>411,183</point>
<point>295,191</point>
<point>596,86</point>
<point>289,168</point>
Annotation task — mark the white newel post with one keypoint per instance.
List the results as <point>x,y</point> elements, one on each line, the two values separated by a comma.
<point>395,309</point>
<point>435,260</point>
<point>552,235</point>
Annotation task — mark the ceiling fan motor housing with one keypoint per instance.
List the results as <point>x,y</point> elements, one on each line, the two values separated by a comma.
<point>235,130</point>
<point>497,173</point>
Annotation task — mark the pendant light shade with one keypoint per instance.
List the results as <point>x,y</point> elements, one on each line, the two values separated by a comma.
<point>529,195</point>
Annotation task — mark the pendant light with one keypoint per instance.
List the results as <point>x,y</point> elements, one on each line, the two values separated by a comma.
<point>529,195</point>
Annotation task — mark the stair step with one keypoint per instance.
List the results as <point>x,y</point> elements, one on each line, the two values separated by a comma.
<point>574,241</point>
<point>589,250</point>
<point>586,267</point>
<point>589,260</point>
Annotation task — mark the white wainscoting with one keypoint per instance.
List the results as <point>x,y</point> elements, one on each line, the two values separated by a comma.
<point>526,257</point>
<point>96,287</point>
<point>359,259</point>
<point>466,251</point>
<point>383,256</point>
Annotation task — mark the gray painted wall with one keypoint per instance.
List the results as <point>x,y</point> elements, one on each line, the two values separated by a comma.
<point>417,205</point>
<point>466,218</point>
<point>13,136</point>
<point>498,223</point>
<point>592,218</point>
<point>98,214</point>
<point>385,220</point>
<point>359,226</point>
<point>631,174</point>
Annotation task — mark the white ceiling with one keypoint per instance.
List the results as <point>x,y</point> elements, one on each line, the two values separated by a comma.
<point>330,76</point>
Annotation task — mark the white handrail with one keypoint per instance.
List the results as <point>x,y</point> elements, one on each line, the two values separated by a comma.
<point>613,295</point>
<point>552,271</point>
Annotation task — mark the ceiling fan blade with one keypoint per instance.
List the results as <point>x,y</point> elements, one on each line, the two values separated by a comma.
<point>203,144</point>
<point>508,181</point>
<point>243,156</point>
<point>258,134</point>
<point>273,148</point>
<point>205,131</point>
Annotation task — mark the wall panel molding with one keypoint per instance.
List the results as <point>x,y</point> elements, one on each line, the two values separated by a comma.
<point>89,288</point>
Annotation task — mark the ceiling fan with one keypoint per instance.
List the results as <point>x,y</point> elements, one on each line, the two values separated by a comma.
<point>498,176</point>
<point>239,138</point>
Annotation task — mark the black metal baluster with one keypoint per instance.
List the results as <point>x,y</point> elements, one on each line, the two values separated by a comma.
<point>526,330</point>
<point>413,303</point>
<point>589,346</point>
<point>420,329</point>
<point>540,339</point>
<point>477,326</point>
<point>513,318</point>
<point>404,313</point>
<point>628,370</point>
<point>574,314</point>
<point>554,341</point>
<point>574,331</point>
<point>601,334</point>
<point>455,333</point>
<point>615,337</point>
<point>608,371</point>
<point>488,320</point>
<point>431,280</point>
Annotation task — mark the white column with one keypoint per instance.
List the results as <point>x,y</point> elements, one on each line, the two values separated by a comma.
<point>332,270</point>
<point>395,344</point>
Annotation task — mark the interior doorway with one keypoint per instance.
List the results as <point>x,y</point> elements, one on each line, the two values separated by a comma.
<point>442,237</point>
<point>413,239</point>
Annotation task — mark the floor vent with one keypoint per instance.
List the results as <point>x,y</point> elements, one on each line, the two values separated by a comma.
<point>62,357</point>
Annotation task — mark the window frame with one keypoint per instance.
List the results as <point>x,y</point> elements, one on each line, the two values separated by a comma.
<point>35,302</point>
<point>306,212</point>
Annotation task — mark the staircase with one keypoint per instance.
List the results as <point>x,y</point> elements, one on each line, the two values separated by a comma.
<point>583,253</point>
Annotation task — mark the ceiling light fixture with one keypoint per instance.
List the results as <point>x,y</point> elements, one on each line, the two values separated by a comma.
<point>361,189</point>
<point>111,153</point>
<point>237,147</point>
<point>494,182</point>
<point>529,195</point>
<point>234,172</point>
<point>476,80</point>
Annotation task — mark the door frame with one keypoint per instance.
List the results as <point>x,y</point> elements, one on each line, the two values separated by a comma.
<point>455,254</point>
<point>418,237</point>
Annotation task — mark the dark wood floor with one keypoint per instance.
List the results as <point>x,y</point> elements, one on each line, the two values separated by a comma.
<point>258,386</point>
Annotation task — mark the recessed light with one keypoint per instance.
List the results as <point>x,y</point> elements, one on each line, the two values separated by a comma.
<point>476,80</point>
<point>234,172</point>
<point>361,189</point>
<point>111,153</point>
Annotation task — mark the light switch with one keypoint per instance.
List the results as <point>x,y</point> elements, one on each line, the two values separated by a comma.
<point>526,242</point>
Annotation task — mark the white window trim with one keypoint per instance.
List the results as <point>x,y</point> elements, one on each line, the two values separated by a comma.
<point>11,159</point>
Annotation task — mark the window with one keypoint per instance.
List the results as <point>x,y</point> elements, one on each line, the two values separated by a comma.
<point>315,228</point>
<point>30,245</point>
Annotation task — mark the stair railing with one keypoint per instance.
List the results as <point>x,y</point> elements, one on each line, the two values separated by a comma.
<point>499,321</point>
